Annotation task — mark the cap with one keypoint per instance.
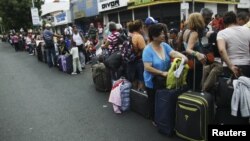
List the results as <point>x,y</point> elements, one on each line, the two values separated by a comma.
<point>30,31</point>
<point>173,30</point>
<point>47,25</point>
<point>118,26</point>
<point>150,21</point>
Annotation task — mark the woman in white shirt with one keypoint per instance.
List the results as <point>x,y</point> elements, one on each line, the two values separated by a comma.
<point>234,46</point>
<point>77,38</point>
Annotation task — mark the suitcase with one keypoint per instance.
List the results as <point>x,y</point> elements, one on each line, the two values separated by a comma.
<point>39,53</point>
<point>165,100</point>
<point>101,77</point>
<point>165,106</point>
<point>45,56</point>
<point>139,103</point>
<point>224,92</point>
<point>223,95</point>
<point>196,110</point>
<point>223,116</point>
<point>69,64</point>
<point>62,63</point>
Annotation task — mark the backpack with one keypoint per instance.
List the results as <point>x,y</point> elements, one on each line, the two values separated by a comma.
<point>128,53</point>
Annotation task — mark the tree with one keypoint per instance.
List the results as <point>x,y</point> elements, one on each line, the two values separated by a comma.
<point>16,13</point>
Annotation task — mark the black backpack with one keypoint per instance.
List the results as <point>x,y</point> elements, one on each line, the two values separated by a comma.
<point>128,53</point>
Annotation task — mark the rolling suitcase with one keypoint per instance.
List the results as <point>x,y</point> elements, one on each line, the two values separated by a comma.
<point>196,110</point>
<point>69,64</point>
<point>223,95</point>
<point>165,100</point>
<point>62,63</point>
<point>45,56</point>
<point>165,105</point>
<point>223,117</point>
<point>139,103</point>
<point>101,77</point>
<point>39,53</point>
<point>224,92</point>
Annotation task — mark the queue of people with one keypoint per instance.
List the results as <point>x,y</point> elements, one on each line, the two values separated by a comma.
<point>147,49</point>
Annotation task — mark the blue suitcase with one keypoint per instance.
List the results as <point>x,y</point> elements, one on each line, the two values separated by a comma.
<point>165,105</point>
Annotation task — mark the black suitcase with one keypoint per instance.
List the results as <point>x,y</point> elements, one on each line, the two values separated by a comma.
<point>194,111</point>
<point>139,103</point>
<point>45,56</point>
<point>101,77</point>
<point>223,116</point>
<point>39,53</point>
<point>224,92</point>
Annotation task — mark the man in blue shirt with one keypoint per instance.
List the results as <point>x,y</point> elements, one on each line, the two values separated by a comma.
<point>49,45</point>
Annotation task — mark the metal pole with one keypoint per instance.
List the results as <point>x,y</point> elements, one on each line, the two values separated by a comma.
<point>193,6</point>
<point>33,4</point>
<point>1,29</point>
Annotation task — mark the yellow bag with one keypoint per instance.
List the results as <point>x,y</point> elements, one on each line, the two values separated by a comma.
<point>172,82</point>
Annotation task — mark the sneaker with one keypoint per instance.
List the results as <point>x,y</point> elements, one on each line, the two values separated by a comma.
<point>73,73</point>
<point>154,124</point>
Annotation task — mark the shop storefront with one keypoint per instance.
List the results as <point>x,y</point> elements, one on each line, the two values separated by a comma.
<point>61,19</point>
<point>85,12</point>
<point>114,10</point>
<point>171,11</point>
<point>165,11</point>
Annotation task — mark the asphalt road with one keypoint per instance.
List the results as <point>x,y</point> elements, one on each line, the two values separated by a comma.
<point>42,104</point>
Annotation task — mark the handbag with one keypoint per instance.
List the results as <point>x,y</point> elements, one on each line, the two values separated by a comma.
<point>159,82</point>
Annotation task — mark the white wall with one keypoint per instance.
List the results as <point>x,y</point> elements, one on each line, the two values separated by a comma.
<point>231,7</point>
<point>212,6</point>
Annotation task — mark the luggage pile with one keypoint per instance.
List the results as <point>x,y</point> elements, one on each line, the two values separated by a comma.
<point>176,108</point>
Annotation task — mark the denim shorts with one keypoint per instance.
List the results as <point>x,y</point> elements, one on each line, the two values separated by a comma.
<point>135,71</point>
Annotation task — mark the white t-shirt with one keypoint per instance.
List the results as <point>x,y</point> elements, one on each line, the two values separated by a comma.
<point>74,52</point>
<point>237,40</point>
<point>78,39</point>
<point>28,40</point>
<point>100,30</point>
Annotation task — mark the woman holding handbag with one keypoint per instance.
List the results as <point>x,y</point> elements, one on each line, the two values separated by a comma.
<point>156,58</point>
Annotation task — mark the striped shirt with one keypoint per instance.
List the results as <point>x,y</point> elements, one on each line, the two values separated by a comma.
<point>113,40</point>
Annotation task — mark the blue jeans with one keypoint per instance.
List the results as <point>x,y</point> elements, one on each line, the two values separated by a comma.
<point>135,71</point>
<point>51,56</point>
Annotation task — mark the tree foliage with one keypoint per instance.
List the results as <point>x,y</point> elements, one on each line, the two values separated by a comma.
<point>16,13</point>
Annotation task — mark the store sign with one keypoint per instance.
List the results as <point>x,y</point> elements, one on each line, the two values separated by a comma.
<point>105,5</point>
<point>61,17</point>
<point>35,16</point>
<point>244,4</point>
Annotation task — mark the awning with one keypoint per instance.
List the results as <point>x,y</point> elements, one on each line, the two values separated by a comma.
<point>218,1</point>
<point>54,7</point>
<point>157,2</point>
<point>153,3</point>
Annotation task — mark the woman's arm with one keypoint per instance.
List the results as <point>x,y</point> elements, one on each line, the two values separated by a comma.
<point>148,67</point>
<point>176,54</point>
<point>106,45</point>
<point>190,48</point>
